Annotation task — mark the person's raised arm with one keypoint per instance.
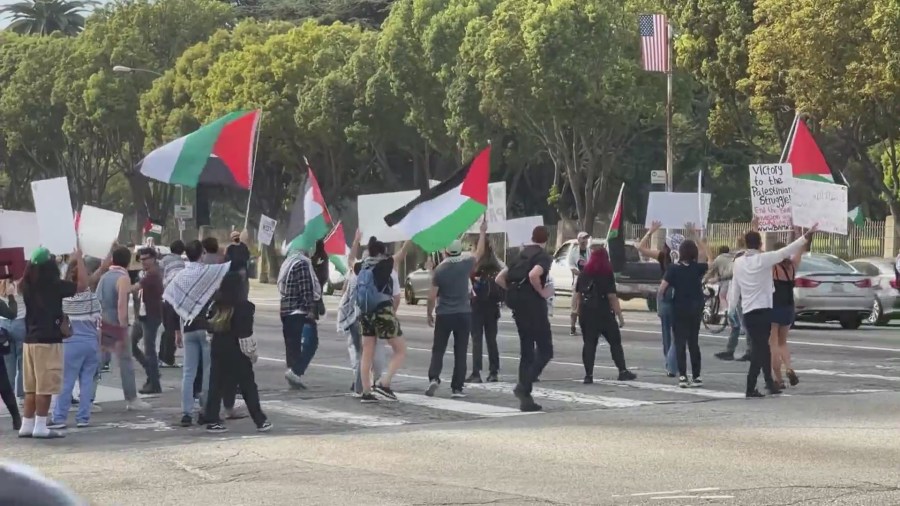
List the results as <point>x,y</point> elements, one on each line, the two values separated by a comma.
<point>482,239</point>
<point>401,255</point>
<point>771,258</point>
<point>754,224</point>
<point>80,270</point>
<point>94,280</point>
<point>644,245</point>
<point>124,288</point>
<point>354,249</point>
<point>795,259</point>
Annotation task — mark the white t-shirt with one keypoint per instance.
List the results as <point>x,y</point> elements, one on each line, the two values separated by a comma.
<point>395,278</point>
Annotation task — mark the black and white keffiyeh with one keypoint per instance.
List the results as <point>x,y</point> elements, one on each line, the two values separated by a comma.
<point>191,289</point>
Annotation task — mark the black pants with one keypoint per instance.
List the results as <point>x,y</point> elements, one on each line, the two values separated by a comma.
<point>484,328</point>
<point>137,333</point>
<point>459,325</point>
<point>592,326</point>
<point>759,324</point>
<point>230,369</point>
<point>167,347</point>
<point>7,392</point>
<point>686,327</point>
<point>535,341</point>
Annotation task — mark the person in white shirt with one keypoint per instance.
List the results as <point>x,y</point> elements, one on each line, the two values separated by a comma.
<point>752,287</point>
<point>578,256</point>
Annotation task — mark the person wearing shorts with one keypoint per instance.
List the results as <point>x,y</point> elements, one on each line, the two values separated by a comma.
<point>42,360</point>
<point>382,324</point>
<point>783,317</point>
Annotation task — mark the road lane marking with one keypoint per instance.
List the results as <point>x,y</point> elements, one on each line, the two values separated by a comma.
<point>669,492</point>
<point>510,357</point>
<point>839,374</point>
<point>469,408</point>
<point>565,396</point>
<point>329,415</point>
<point>674,389</point>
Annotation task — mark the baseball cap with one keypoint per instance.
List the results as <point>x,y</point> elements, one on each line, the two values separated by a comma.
<point>455,247</point>
<point>235,234</point>
<point>40,255</point>
<point>582,235</point>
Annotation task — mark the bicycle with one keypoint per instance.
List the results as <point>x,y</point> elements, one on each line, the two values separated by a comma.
<point>713,320</point>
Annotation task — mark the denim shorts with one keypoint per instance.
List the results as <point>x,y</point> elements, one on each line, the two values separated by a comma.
<point>783,315</point>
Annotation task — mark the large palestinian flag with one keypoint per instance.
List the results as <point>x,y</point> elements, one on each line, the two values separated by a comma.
<point>309,217</point>
<point>615,237</point>
<point>444,212</point>
<point>336,247</point>
<point>805,157</point>
<point>220,153</point>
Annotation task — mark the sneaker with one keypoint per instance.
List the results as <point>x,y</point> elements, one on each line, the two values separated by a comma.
<point>368,398</point>
<point>294,380</point>
<point>792,377</point>
<point>52,434</point>
<point>83,425</point>
<point>457,394</point>
<point>57,426</point>
<point>724,355</point>
<point>474,378</point>
<point>670,374</point>
<point>492,378</point>
<point>105,368</point>
<point>773,390</point>
<point>265,427</point>
<point>588,380</point>
<point>216,428</point>
<point>683,382</point>
<point>17,423</point>
<point>75,401</point>
<point>696,382</point>
<point>627,375</point>
<point>744,358</point>
<point>432,388</point>
<point>150,390</point>
<point>529,406</point>
<point>755,395</point>
<point>385,392</point>
<point>136,405</point>
<point>95,408</point>
<point>187,421</point>
<point>573,331</point>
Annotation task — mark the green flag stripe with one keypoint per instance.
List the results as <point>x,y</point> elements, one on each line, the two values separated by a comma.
<point>196,149</point>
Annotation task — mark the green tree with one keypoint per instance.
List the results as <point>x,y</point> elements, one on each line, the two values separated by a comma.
<point>43,17</point>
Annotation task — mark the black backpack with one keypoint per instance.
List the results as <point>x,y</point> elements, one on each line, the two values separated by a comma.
<point>487,291</point>
<point>519,288</point>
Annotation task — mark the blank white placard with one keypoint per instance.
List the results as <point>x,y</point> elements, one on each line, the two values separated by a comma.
<point>19,229</point>
<point>673,210</point>
<point>97,230</point>
<point>519,230</point>
<point>374,207</point>
<point>56,222</point>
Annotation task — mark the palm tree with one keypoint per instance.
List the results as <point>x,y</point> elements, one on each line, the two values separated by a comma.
<point>43,17</point>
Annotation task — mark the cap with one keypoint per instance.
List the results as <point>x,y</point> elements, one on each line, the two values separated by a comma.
<point>455,247</point>
<point>582,235</point>
<point>40,255</point>
<point>235,234</point>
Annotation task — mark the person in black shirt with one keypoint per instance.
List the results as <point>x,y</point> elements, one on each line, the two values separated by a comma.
<point>600,313</point>
<point>486,300</point>
<point>525,282</point>
<point>685,278</point>
<point>239,255</point>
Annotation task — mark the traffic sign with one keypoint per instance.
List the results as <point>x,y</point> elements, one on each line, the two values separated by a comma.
<point>184,212</point>
<point>657,177</point>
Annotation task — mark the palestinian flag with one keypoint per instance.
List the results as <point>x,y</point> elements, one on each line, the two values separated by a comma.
<point>805,156</point>
<point>336,247</point>
<point>856,216</point>
<point>441,214</point>
<point>615,237</point>
<point>220,153</point>
<point>309,217</point>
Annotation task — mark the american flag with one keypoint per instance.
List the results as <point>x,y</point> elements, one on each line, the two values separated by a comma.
<point>654,42</point>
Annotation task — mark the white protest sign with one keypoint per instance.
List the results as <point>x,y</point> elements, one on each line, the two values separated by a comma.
<point>770,196</point>
<point>674,210</point>
<point>266,231</point>
<point>373,208</point>
<point>518,230</point>
<point>54,215</point>
<point>823,203</point>
<point>19,229</point>
<point>496,208</point>
<point>97,230</point>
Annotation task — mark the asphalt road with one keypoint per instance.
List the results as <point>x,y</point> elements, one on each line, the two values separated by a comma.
<point>830,440</point>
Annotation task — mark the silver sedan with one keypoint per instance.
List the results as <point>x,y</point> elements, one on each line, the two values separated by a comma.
<point>886,306</point>
<point>828,289</point>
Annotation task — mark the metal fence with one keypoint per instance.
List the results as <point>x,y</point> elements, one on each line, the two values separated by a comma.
<point>864,241</point>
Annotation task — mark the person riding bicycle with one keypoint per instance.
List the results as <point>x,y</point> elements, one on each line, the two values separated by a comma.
<point>720,272</point>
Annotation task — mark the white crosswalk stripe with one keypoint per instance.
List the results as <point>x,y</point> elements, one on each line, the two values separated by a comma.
<point>469,408</point>
<point>330,415</point>
<point>565,396</point>
<point>674,389</point>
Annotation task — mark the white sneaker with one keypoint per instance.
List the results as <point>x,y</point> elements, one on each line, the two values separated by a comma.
<point>83,425</point>
<point>291,376</point>
<point>137,405</point>
<point>95,408</point>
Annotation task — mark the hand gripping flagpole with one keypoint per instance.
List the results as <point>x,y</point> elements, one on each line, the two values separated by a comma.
<point>253,169</point>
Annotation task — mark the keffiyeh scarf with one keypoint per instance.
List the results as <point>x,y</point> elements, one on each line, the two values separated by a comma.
<point>171,265</point>
<point>191,289</point>
<point>348,311</point>
<point>84,306</point>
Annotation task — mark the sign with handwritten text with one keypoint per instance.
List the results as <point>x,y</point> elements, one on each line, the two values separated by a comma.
<point>823,203</point>
<point>770,196</point>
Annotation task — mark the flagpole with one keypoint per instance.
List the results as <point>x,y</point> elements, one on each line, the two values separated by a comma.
<point>790,137</point>
<point>669,91</point>
<point>253,169</point>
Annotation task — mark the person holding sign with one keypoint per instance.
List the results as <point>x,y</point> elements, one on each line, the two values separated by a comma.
<point>665,257</point>
<point>752,284</point>
<point>783,316</point>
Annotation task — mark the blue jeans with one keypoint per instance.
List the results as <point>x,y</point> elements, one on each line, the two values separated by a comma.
<point>310,345</point>
<point>736,320</point>
<point>81,360</point>
<point>196,348</point>
<point>16,328</point>
<point>301,340</point>
<point>665,319</point>
<point>150,329</point>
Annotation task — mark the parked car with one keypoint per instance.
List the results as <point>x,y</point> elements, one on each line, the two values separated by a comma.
<point>639,280</point>
<point>829,289</point>
<point>886,306</point>
<point>418,282</point>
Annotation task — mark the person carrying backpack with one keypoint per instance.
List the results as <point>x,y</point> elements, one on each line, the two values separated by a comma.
<point>525,282</point>
<point>378,295</point>
<point>600,313</point>
<point>486,299</point>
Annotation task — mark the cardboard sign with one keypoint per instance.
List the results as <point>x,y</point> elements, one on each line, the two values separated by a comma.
<point>519,230</point>
<point>674,210</point>
<point>496,210</point>
<point>266,231</point>
<point>823,203</point>
<point>12,264</point>
<point>19,229</point>
<point>56,224</point>
<point>373,208</point>
<point>770,196</point>
<point>98,229</point>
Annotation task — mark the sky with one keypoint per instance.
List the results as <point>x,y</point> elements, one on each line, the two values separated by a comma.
<point>4,21</point>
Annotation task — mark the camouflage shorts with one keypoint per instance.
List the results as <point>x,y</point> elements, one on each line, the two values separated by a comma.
<point>382,323</point>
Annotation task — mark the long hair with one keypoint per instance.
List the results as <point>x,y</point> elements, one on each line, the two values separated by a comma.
<point>598,264</point>
<point>488,262</point>
<point>688,252</point>
<point>37,275</point>
<point>229,295</point>
<point>376,247</point>
<point>320,253</point>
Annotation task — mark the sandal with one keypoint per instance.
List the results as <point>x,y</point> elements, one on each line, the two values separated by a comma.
<point>792,377</point>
